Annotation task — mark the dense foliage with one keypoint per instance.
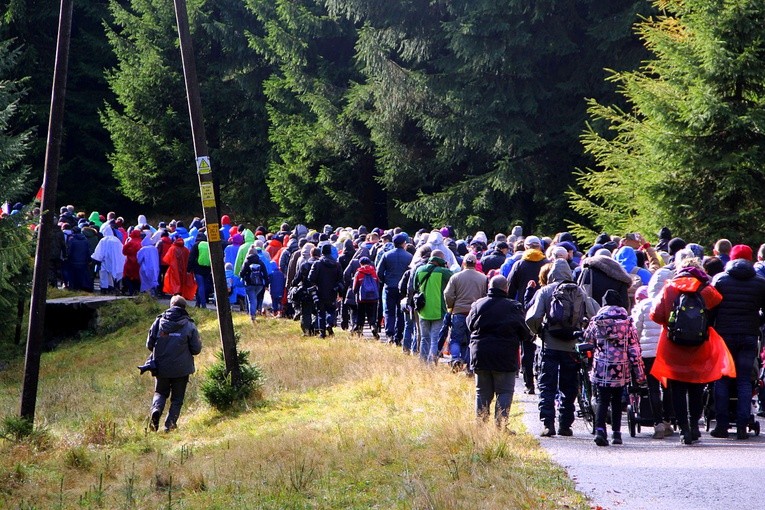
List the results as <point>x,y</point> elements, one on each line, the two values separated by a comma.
<point>689,152</point>
<point>457,111</point>
<point>153,156</point>
<point>15,245</point>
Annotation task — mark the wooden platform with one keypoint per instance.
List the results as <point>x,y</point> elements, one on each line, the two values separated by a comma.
<point>66,317</point>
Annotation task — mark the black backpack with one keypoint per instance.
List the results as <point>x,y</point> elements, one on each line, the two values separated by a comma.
<point>567,310</point>
<point>689,320</point>
<point>256,275</point>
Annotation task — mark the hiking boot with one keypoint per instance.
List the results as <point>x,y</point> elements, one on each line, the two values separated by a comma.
<point>548,431</point>
<point>565,431</point>
<point>330,332</point>
<point>529,390</point>
<point>741,433</point>
<point>668,429</point>
<point>685,436</point>
<point>154,420</point>
<point>695,432</point>
<point>616,438</point>
<point>600,438</point>
<point>323,334</point>
<point>659,431</point>
<point>720,432</point>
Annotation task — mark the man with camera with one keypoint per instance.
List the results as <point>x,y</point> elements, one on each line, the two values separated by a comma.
<point>174,341</point>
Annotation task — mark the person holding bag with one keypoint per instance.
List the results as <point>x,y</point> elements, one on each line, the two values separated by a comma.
<point>430,282</point>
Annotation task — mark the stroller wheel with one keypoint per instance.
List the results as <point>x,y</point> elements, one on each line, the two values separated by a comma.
<point>631,422</point>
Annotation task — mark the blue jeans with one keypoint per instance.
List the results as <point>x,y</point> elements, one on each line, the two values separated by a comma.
<point>558,374</point>
<point>201,290</point>
<point>394,317</point>
<point>409,341</point>
<point>429,341</point>
<point>743,348</point>
<point>458,340</point>
<point>489,383</point>
<point>252,299</point>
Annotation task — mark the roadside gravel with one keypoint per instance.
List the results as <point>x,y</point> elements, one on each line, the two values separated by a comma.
<point>650,474</point>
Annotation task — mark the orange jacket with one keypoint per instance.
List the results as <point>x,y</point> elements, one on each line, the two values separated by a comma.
<point>706,363</point>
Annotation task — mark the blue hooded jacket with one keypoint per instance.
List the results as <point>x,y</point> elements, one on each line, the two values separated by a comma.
<point>628,260</point>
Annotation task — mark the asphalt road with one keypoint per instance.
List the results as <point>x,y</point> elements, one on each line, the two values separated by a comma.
<point>651,474</point>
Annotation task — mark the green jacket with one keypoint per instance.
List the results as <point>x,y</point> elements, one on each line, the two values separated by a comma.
<point>433,288</point>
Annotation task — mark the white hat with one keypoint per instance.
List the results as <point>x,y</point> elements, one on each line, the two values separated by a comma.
<point>532,241</point>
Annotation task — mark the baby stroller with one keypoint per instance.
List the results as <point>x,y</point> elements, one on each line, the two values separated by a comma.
<point>709,407</point>
<point>639,412</point>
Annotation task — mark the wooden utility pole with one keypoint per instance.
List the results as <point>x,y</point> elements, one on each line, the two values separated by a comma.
<point>47,219</point>
<point>207,191</point>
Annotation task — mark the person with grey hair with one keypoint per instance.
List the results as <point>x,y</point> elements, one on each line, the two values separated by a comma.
<point>462,290</point>
<point>497,327</point>
<point>174,341</point>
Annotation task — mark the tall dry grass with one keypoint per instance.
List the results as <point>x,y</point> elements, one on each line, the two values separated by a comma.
<point>345,423</point>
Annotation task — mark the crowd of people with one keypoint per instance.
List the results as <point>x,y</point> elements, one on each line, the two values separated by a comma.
<point>504,307</point>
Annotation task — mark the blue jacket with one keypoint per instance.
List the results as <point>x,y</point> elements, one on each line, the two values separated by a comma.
<point>628,260</point>
<point>392,266</point>
<point>277,279</point>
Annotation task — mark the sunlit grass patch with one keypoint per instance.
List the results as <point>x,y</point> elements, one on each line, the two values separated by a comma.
<point>344,423</point>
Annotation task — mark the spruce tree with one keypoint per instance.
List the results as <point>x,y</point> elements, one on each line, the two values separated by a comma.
<point>14,141</point>
<point>15,245</point>
<point>475,107</point>
<point>322,168</point>
<point>689,151</point>
<point>153,156</point>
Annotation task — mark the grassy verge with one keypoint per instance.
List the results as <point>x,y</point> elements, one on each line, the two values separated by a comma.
<point>345,423</point>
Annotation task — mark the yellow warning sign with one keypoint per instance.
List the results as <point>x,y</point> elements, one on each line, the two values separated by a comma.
<point>213,234</point>
<point>203,165</point>
<point>208,194</point>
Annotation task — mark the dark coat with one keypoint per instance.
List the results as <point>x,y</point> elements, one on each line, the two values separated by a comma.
<point>493,260</point>
<point>284,259</point>
<point>523,272</point>
<point>497,326</point>
<point>743,294</point>
<point>348,252</point>
<point>601,274</point>
<point>78,248</point>
<point>327,277</point>
<point>175,341</point>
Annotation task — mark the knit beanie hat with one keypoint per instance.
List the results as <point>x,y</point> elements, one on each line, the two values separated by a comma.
<point>675,245</point>
<point>741,251</point>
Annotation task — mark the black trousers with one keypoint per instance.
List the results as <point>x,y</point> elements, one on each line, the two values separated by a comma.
<point>173,388</point>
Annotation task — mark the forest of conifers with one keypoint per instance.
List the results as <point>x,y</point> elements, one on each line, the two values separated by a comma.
<point>613,115</point>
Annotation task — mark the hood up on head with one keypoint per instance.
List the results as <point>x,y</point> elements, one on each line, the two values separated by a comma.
<point>560,271</point>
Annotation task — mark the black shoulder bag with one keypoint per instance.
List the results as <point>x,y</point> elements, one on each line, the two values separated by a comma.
<point>419,296</point>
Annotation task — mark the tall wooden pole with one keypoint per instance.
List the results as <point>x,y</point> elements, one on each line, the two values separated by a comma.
<point>207,191</point>
<point>47,219</point>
